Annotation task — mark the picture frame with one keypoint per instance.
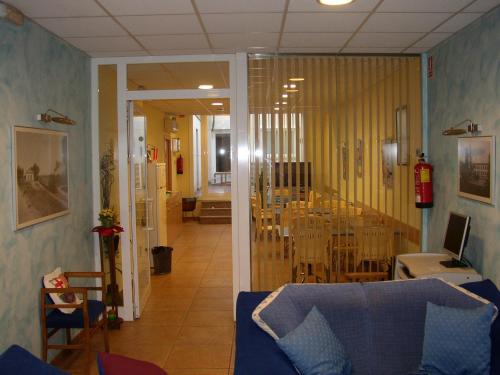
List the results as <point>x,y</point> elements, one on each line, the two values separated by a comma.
<point>389,151</point>
<point>476,168</point>
<point>40,170</point>
<point>402,134</point>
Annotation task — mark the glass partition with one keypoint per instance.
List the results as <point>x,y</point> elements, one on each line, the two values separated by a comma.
<point>333,145</point>
<point>108,167</point>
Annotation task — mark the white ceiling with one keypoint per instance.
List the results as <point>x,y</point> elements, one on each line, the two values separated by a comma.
<point>176,27</point>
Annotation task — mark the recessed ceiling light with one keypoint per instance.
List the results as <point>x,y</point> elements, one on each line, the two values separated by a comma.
<point>205,87</point>
<point>292,90</point>
<point>296,79</point>
<point>277,103</point>
<point>284,103</point>
<point>276,108</point>
<point>334,2</point>
<point>284,96</point>
<point>217,104</point>
<point>292,85</point>
<point>285,86</point>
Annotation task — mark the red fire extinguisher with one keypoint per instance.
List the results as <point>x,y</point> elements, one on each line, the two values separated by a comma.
<point>180,165</point>
<point>423,184</point>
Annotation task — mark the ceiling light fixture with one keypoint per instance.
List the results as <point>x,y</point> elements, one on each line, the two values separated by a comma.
<point>284,96</point>
<point>334,2</point>
<point>285,86</point>
<point>293,85</point>
<point>217,104</point>
<point>297,79</point>
<point>292,90</point>
<point>284,103</point>
<point>206,87</point>
<point>276,108</point>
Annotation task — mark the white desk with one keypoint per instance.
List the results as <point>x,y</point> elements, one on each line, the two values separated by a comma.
<point>425,265</point>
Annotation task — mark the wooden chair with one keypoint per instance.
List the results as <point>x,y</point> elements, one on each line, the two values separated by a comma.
<point>373,248</point>
<point>310,249</point>
<point>85,317</point>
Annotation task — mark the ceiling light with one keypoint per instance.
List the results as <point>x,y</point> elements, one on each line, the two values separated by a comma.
<point>206,87</point>
<point>292,90</point>
<point>217,104</point>
<point>334,2</point>
<point>277,103</point>
<point>296,79</point>
<point>284,103</point>
<point>284,96</point>
<point>276,108</point>
<point>222,151</point>
<point>285,86</point>
<point>292,85</point>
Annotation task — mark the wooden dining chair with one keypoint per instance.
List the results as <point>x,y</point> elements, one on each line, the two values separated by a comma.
<point>373,248</point>
<point>89,316</point>
<point>310,249</point>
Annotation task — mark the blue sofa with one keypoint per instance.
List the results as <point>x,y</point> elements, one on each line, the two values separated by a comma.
<point>257,352</point>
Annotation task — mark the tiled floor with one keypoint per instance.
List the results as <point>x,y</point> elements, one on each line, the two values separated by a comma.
<point>187,325</point>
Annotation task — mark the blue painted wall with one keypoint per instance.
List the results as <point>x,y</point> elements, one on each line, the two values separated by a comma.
<point>466,84</point>
<point>39,71</point>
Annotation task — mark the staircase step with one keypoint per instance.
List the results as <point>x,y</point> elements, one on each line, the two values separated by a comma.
<point>215,204</point>
<point>216,212</point>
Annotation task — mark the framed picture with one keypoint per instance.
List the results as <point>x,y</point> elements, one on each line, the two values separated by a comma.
<point>402,134</point>
<point>476,168</point>
<point>389,151</point>
<point>40,165</point>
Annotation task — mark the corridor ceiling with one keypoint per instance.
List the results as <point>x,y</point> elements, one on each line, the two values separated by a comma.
<point>104,28</point>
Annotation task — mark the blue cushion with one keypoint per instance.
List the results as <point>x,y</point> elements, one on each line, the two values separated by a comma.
<point>57,319</point>
<point>457,341</point>
<point>314,348</point>
<point>489,291</point>
<point>19,361</point>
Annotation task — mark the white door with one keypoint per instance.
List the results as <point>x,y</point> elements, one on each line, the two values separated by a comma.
<point>140,209</point>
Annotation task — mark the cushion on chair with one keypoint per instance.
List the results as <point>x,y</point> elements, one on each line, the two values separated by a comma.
<point>19,361</point>
<point>56,279</point>
<point>57,319</point>
<point>114,364</point>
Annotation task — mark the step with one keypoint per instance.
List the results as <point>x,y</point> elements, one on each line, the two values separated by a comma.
<point>215,220</point>
<point>215,204</point>
<point>215,212</point>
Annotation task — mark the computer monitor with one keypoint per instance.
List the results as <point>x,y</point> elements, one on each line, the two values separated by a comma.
<point>456,237</point>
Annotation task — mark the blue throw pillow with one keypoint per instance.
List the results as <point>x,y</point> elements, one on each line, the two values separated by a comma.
<point>314,349</point>
<point>457,341</point>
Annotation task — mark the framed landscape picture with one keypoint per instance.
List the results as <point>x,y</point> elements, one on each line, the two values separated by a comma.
<point>40,167</point>
<point>476,168</point>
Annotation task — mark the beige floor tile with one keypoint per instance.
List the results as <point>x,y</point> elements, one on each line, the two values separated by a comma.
<point>204,304</point>
<point>164,318</point>
<point>216,282</point>
<point>215,293</point>
<point>209,318</point>
<point>169,304</point>
<point>156,354</point>
<point>146,335</point>
<point>184,281</point>
<point>206,335</point>
<point>199,356</point>
<point>167,292</point>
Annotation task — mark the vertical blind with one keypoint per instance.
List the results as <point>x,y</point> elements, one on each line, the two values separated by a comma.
<point>333,145</point>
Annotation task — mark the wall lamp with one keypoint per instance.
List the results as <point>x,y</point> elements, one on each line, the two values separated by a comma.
<point>459,128</point>
<point>11,14</point>
<point>61,119</point>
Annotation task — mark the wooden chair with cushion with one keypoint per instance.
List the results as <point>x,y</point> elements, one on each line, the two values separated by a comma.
<point>89,316</point>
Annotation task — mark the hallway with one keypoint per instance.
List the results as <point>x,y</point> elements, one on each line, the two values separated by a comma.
<point>187,325</point>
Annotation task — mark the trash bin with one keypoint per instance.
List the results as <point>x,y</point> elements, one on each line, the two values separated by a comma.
<point>162,259</point>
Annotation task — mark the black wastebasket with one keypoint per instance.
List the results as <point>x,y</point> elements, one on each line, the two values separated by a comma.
<point>162,259</point>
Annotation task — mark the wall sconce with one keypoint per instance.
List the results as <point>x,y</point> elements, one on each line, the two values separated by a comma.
<point>11,14</point>
<point>458,129</point>
<point>61,119</point>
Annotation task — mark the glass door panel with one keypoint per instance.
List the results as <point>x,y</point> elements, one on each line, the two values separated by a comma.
<point>141,217</point>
